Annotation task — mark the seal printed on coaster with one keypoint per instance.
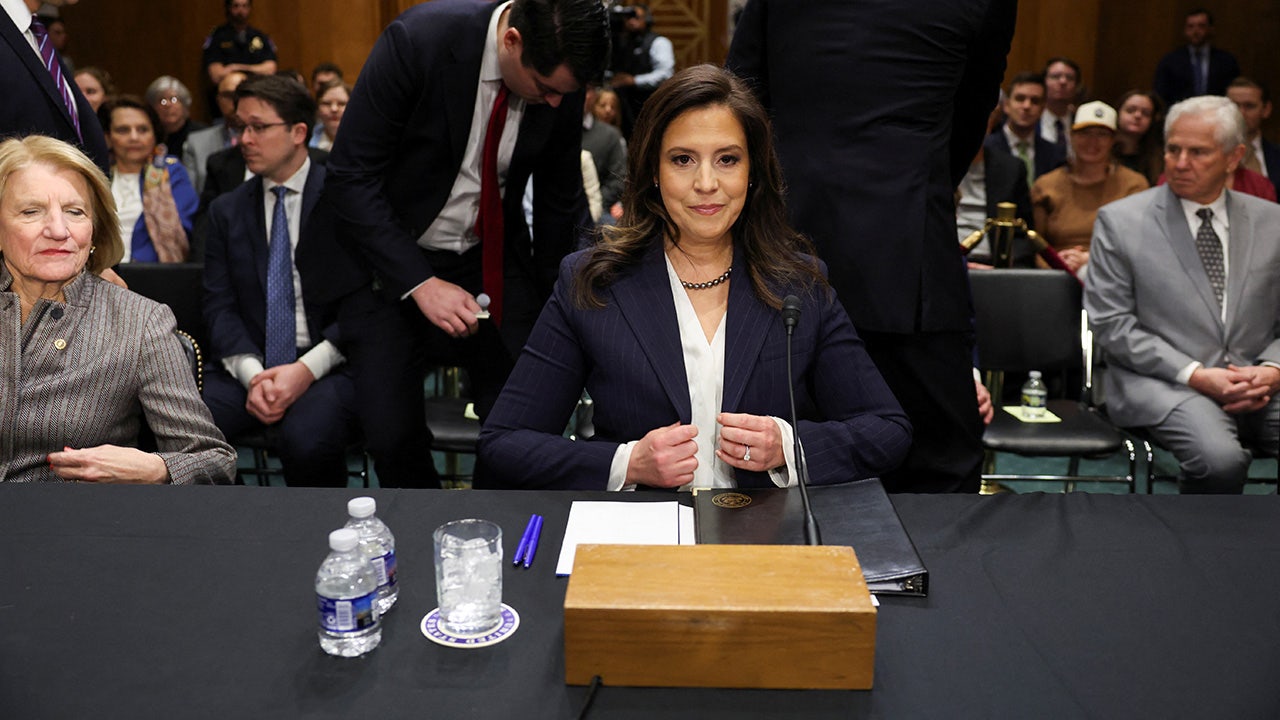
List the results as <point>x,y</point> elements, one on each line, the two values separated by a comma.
<point>506,628</point>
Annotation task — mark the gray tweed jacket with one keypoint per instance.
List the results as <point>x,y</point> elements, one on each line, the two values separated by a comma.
<point>88,371</point>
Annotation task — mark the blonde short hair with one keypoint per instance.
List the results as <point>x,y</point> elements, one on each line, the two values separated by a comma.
<point>20,153</point>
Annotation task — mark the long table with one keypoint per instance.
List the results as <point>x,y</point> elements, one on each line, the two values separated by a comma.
<point>197,602</point>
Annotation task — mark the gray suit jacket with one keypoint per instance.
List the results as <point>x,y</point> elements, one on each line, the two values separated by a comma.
<point>199,146</point>
<point>1152,309</point>
<point>119,364</point>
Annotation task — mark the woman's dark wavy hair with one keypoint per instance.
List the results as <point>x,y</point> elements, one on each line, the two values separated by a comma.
<point>775,253</point>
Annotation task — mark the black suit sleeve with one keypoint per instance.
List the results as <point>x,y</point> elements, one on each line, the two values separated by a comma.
<point>383,101</point>
<point>747,52</point>
<point>980,85</point>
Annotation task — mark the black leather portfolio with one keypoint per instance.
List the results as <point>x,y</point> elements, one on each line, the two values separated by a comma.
<point>857,514</point>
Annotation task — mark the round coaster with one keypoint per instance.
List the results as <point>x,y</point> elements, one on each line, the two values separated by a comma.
<point>437,634</point>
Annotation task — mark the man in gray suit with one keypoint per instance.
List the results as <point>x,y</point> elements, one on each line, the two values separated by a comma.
<point>1184,298</point>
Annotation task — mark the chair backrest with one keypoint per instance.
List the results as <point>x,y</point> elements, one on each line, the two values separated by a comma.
<point>1027,319</point>
<point>178,285</point>
<point>194,356</point>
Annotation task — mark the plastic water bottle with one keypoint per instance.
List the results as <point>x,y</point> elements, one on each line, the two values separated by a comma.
<point>1034,397</point>
<point>346,596</point>
<point>379,545</point>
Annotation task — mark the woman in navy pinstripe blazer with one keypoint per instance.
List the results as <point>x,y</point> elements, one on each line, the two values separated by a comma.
<point>84,362</point>
<point>671,323</point>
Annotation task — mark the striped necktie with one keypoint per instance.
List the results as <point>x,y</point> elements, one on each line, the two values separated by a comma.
<point>51,63</point>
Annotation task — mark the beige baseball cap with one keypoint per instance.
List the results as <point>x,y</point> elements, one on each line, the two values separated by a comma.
<point>1095,114</point>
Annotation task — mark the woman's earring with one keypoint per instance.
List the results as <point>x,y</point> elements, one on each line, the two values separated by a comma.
<point>91,249</point>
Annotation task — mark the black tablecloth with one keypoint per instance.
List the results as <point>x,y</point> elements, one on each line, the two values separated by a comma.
<point>198,602</point>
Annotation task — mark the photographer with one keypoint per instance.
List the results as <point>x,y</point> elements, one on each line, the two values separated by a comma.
<point>642,59</point>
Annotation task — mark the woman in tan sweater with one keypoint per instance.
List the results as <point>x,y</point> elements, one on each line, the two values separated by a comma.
<point>1065,201</point>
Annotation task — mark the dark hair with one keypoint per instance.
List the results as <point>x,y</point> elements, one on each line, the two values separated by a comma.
<point>325,67</point>
<point>331,84</point>
<point>772,248</point>
<point>1026,78</point>
<point>120,102</point>
<point>226,4</point>
<point>291,101</point>
<point>1199,11</point>
<point>1246,82</point>
<point>1149,159</point>
<point>563,32</point>
<point>1065,61</point>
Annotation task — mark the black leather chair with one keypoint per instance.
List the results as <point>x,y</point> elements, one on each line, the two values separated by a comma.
<point>454,431</point>
<point>1034,320</point>
<point>178,285</point>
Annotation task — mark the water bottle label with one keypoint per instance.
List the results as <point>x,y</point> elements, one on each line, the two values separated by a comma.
<point>387,574</point>
<point>351,615</point>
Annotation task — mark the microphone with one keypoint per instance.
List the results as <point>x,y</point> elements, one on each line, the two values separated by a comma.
<point>790,318</point>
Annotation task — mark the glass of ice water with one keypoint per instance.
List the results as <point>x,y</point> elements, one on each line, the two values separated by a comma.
<point>469,576</point>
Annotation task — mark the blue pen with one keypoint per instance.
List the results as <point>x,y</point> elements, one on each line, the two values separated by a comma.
<point>533,543</point>
<point>524,541</point>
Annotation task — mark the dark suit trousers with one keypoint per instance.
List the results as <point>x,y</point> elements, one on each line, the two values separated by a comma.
<point>314,432</point>
<point>390,346</point>
<point>931,375</point>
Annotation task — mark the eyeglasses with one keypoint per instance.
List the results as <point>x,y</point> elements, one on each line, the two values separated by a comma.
<point>171,100</point>
<point>255,128</point>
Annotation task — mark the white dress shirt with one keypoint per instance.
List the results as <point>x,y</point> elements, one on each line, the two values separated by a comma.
<point>18,11</point>
<point>454,228</point>
<point>322,358</point>
<point>1222,227</point>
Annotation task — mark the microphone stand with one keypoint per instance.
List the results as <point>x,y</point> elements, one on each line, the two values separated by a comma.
<point>791,316</point>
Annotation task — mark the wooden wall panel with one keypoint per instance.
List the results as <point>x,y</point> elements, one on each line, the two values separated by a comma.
<point>1116,43</point>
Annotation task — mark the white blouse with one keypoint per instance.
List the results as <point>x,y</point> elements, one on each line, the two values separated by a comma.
<point>704,368</point>
<point>126,188</point>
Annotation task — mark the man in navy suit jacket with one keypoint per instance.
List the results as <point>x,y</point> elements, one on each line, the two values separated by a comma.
<point>1254,101</point>
<point>1181,74</point>
<point>878,112</point>
<point>33,105</point>
<point>1023,107</point>
<point>405,183</point>
<point>312,399</point>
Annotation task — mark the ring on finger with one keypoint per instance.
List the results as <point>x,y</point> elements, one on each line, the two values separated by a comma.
<point>746,456</point>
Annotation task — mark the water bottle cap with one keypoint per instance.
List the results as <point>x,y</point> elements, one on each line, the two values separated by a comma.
<point>362,507</point>
<point>1035,374</point>
<point>343,540</point>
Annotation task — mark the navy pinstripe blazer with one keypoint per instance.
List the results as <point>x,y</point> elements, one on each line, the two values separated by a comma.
<point>119,364</point>
<point>629,358</point>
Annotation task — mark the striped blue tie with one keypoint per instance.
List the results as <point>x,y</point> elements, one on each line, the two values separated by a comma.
<point>282,324</point>
<point>51,63</point>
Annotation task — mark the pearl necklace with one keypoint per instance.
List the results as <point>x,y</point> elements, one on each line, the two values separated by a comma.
<point>707,284</point>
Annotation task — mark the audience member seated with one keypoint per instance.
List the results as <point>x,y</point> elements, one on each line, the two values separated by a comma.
<point>672,324</point>
<point>1066,201</point>
<point>154,196</point>
<point>323,74</point>
<point>1254,100</point>
<point>270,364</point>
<point>201,144</point>
<point>96,85</point>
<point>172,102</point>
<point>607,108</point>
<point>609,153</point>
<point>1197,68</point>
<point>84,362</point>
<point>1139,140</point>
<point>993,178</point>
<point>1019,136</point>
<point>1184,300</point>
<point>332,101</point>
<point>1062,92</point>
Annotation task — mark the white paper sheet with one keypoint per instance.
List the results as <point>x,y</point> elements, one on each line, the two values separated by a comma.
<point>619,523</point>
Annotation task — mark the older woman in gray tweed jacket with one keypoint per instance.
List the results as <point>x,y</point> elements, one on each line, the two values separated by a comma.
<point>83,362</point>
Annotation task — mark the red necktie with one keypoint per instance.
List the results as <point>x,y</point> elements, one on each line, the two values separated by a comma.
<point>489,219</point>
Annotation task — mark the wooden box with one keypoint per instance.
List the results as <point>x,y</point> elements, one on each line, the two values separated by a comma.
<point>732,616</point>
